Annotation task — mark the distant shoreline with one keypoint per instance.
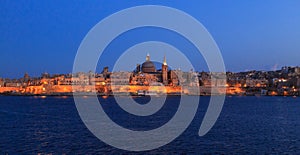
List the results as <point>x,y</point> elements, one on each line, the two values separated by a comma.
<point>93,94</point>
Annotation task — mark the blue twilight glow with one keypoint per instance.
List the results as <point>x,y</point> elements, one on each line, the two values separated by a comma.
<point>43,36</point>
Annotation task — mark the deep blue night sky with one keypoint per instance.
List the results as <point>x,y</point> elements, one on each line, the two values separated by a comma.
<point>43,36</point>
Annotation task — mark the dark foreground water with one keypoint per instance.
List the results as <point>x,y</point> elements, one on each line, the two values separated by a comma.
<point>51,125</point>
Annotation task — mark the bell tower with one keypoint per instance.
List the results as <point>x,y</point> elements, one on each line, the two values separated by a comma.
<point>165,72</point>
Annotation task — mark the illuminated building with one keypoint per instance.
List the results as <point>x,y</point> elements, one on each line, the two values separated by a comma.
<point>148,74</point>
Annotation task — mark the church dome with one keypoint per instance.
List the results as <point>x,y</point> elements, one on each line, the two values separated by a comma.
<point>148,67</point>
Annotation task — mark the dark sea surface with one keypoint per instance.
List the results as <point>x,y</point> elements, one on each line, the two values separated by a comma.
<point>51,125</point>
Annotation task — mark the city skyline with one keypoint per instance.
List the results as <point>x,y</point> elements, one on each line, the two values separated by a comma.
<point>148,79</point>
<point>157,64</point>
<point>42,37</point>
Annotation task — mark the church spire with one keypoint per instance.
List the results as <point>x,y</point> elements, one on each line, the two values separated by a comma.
<point>165,61</point>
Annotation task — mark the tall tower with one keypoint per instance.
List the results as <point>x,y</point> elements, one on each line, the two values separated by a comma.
<point>165,72</point>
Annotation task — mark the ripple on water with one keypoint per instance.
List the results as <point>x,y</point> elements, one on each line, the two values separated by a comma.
<point>246,125</point>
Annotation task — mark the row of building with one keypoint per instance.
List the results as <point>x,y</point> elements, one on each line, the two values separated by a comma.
<point>164,80</point>
<point>285,81</point>
<point>140,79</point>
